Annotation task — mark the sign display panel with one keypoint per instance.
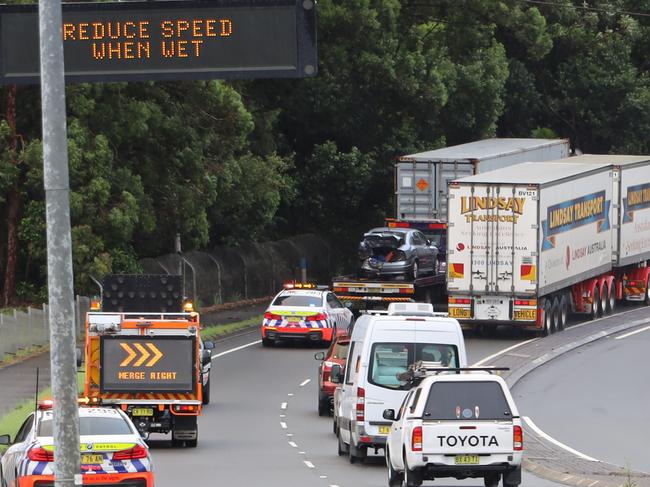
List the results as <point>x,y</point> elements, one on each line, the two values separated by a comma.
<point>145,364</point>
<point>166,40</point>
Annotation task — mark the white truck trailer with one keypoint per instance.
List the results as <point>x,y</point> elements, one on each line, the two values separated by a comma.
<point>533,242</point>
<point>421,179</point>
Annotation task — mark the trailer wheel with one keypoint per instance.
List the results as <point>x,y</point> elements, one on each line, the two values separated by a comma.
<point>604,300</point>
<point>611,305</point>
<point>555,321</point>
<point>564,313</point>
<point>647,291</point>
<point>548,318</point>
<point>595,303</point>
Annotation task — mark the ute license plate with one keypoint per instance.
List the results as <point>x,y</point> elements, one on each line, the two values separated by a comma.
<point>142,412</point>
<point>455,312</point>
<point>293,319</point>
<point>92,459</point>
<point>467,460</point>
<point>525,314</point>
<point>384,430</point>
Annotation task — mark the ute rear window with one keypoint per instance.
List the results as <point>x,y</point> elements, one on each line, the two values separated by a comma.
<point>92,426</point>
<point>298,300</point>
<point>467,401</point>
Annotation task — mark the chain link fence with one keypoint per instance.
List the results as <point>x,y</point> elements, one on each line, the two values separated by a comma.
<point>256,270</point>
<point>24,329</point>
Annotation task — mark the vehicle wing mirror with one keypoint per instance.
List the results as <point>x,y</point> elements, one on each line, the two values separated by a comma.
<point>319,355</point>
<point>207,357</point>
<point>79,356</point>
<point>389,414</point>
<point>208,345</point>
<point>5,440</point>
<point>336,374</point>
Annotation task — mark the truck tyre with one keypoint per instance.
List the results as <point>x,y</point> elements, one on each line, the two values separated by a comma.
<point>555,311</point>
<point>206,391</point>
<point>491,480</point>
<point>356,455</point>
<point>595,303</point>
<point>343,448</point>
<point>395,478</point>
<point>647,291</point>
<point>548,318</point>
<point>604,299</point>
<point>412,478</point>
<point>611,305</point>
<point>564,313</point>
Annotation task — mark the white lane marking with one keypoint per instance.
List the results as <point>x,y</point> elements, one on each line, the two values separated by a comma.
<point>283,415</point>
<point>283,405</point>
<point>309,464</point>
<point>293,444</point>
<point>620,337</point>
<point>501,352</point>
<point>302,453</point>
<point>536,429</point>
<point>334,485</point>
<point>236,349</point>
<point>323,476</point>
<point>305,382</point>
<point>290,394</point>
<point>283,425</point>
<point>289,435</point>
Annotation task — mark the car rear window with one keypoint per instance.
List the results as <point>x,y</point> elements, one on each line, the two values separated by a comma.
<point>340,350</point>
<point>389,359</point>
<point>298,300</point>
<point>91,426</point>
<point>467,401</point>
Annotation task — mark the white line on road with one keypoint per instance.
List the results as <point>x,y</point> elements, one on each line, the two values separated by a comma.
<point>305,382</point>
<point>620,337</point>
<point>283,415</point>
<point>536,429</point>
<point>290,394</point>
<point>293,444</point>
<point>283,405</point>
<point>323,476</point>
<point>236,349</point>
<point>283,425</point>
<point>308,463</point>
<point>302,453</point>
<point>501,352</point>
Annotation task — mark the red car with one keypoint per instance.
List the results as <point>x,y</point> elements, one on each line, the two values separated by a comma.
<point>336,354</point>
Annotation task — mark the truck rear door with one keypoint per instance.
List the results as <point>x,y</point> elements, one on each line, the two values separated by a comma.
<point>467,418</point>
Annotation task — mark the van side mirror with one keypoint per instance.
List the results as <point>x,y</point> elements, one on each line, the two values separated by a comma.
<point>389,414</point>
<point>319,355</point>
<point>206,358</point>
<point>208,345</point>
<point>336,374</point>
<point>5,440</point>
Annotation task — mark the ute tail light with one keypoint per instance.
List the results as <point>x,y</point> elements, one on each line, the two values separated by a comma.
<point>317,317</point>
<point>518,438</point>
<point>361,404</point>
<point>416,439</point>
<point>138,451</point>
<point>40,455</point>
<point>271,316</point>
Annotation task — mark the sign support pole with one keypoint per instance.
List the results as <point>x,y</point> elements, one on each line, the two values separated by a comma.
<point>59,248</point>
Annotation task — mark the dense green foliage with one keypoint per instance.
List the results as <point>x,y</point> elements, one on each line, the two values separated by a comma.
<point>222,162</point>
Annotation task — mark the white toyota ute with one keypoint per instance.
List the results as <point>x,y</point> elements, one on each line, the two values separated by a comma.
<point>455,423</point>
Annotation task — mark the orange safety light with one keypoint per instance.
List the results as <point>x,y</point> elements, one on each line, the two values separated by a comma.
<point>95,305</point>
<point>188,306</point>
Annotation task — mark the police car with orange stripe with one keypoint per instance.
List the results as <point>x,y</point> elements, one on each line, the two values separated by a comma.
<point>305,312</point>
<point>112,451</point>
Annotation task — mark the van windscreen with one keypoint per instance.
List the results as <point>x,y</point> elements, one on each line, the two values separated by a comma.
<point>389,359</point>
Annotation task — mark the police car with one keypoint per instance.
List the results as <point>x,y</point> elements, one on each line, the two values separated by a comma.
<point>305,312</point>
<point>112,451</point>
<point>455,425</point>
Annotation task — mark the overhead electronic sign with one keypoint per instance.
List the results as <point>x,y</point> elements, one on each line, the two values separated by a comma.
<point>166,40</point>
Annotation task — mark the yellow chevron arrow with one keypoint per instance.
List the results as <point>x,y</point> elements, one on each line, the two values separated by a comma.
<point>144,352</point>
<point>130,352</point>
<point>157,355</point>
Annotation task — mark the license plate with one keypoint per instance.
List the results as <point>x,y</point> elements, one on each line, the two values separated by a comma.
<point>92,459</point>
<point>293,319</point>
<point>466,460</point>
<point>384,430</point>
<point>525,314</point>
<point>459,312</point>
<point>142,412</point>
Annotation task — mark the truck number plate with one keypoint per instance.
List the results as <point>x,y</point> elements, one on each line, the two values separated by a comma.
<point>525,314</point>
<point>142,412</point>
<point>467,460</point>
<point>92,459</point>
<point>455,312</point>
<point>384,430</point>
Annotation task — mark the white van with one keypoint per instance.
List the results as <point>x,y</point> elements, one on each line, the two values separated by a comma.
<point>383,345</point>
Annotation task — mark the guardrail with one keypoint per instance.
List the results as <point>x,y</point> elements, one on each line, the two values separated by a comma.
<point>20,330</point>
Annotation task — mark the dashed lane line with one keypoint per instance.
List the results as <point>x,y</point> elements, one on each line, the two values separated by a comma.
<point>536,429</point>
<point>305,382</point>
<point>309,464</point>
<point>293,444</point>
<point>283,405</point>
<point>283,425</point>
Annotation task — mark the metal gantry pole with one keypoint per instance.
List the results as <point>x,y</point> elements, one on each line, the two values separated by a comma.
<point>59,248</point>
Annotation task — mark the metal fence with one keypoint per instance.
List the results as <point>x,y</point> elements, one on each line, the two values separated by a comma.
<point>20,330</point>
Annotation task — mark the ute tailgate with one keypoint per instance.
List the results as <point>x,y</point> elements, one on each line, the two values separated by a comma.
<point>467,437</point>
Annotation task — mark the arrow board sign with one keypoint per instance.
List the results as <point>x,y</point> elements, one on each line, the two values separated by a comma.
<point>148,364</point>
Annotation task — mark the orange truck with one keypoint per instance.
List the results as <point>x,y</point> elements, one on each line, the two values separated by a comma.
<point>144,355</point>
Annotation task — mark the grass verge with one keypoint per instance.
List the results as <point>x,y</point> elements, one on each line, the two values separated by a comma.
<point>22,354</point>
<point>217,331</point>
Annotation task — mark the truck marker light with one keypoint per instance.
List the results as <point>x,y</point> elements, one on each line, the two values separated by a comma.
<point>416,439</point>
<point>518,438</point>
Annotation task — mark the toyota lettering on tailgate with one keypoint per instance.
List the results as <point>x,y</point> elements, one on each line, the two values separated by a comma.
<point>147,364</point>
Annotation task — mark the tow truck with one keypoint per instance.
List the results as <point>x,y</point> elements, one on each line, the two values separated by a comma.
<point>143,355</point>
